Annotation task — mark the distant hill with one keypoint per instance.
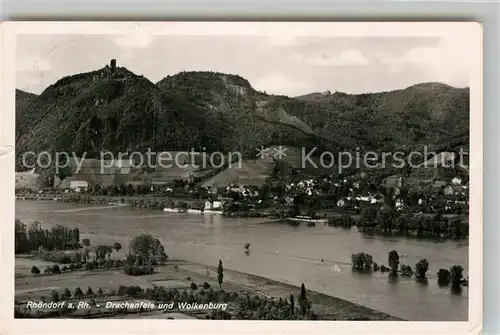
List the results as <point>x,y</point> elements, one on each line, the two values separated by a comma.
<point>125,112</point>
<point>423,113</point>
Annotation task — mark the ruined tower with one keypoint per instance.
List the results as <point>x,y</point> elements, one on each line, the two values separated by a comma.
<point>112,65</point>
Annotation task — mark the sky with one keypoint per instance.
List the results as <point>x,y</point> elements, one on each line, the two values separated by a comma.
<point>277,64</point>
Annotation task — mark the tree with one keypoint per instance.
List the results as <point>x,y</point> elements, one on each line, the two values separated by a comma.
<point>421,268</point>
<point>295,210</point>
<point>292,304</point>
<point>362,261</point>
<point>78,293</point>
<point>443,277</point>
<point>220,274</point>
<point>86,242</point>
<point>35,270</point>
<point>194,287</point>
<point>303,303</point>
<point>102,251</point>
<point>148,247</point>
<point>66,295</point>
<point>100,292</point>
<point>55,296</point>
<point>90,292</point>
<point>394,262</point>
<point>206,286</point>
<point>56,269</point>
<point>121,290</point>
<point>456,275</point>
<point>117,246</point>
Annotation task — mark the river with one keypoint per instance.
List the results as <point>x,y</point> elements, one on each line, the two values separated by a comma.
<point>282,252</point>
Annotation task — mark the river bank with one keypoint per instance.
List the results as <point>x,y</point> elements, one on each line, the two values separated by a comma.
<point>289,254</point>
<point>177,274</point>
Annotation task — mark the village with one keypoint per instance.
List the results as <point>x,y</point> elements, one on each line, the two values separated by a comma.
<point>429,189</point>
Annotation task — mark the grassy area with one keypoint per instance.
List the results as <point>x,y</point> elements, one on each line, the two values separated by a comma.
<point>180,275</point>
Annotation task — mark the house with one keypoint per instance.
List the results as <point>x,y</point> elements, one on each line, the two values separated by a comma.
<point>78,185</point>
<point>213,205</point>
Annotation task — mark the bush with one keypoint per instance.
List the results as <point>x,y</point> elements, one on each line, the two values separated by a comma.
<point>138,270</point>
<point>406,270</point>
<point>35,270</point>
<point>206,286</point>
<point>384,268</point>
<point>89,266</point>
<point>117,263</point>
<point>194,287</point>
<point>133,291</point>
<point>48,269</point>
<point>375,267</point>
<point>109,264</point>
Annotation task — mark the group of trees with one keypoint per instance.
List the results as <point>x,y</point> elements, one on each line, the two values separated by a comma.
<point>145,251</point>
<point>247,306</point>
<point>32,237</point>
<point>387,221</point>
<point>364,262</point>
<point>406,224</point>
<point>454,276</point>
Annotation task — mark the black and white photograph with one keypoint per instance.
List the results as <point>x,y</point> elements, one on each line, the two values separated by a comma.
<point>247,171</point>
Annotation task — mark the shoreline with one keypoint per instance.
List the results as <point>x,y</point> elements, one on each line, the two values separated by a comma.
<point>327,307</point>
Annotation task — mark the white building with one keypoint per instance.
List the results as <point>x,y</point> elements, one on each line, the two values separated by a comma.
<point>215,205</point>
<point>78,185</point>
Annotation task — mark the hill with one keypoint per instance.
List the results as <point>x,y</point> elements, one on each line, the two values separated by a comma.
<point>423,113</point>
<point>124,112</point>
<point>23,115</point>
<point>120,111</point>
